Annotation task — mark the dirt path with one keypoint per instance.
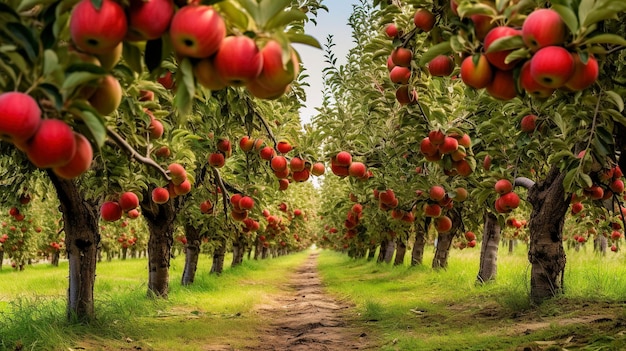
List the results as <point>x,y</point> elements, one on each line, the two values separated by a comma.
<point>306,318</point>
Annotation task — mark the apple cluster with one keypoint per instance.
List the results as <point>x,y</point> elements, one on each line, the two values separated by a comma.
<point>126,241</point>
<point>547,66</point>
<point>353,217</point>
<point>218,158</point>
<point>241,204</point>
<point>438,146</point>
<point>178,185</point>
<point>470,237</point>
<point>342,165</point>
<point>48,143</point>
<point>508,200</point>
<point>438,200</point>
<point>127,203</point>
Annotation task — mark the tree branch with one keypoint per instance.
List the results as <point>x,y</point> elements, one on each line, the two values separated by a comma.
<point>524,182</point>
<point>122,144</point>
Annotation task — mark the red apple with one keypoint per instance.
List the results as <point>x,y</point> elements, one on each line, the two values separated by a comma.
<point>177,173</point>
<point>503,85</point>
<point>437,193</point>
<point>617,186</point>
<point>390,64</point>
<point>476,71</point>
<point>160,195</point>
<point>246,203</point>
<point>496,58</point>
<point>296,164</point>
<point>428,148</point>
<point>277,74</point>
<point>108,95</point>
<point>464,140</point>
<point>111,211</point>
<point>487,163</point>
<point>552,66</point>
<point>424,20</point>
<point>584,74</point>
<point>20,117</point>
<point>206,207</point>
<point>443,224</point>
<point>449,145</point>
<point>238,60</point>
<point>163,152</point>
<point>148,20</point>
<point>225,146</point>
<point>246,143</point>
<point>284,146</point>
<point>441,66</point>
<point>343,158</point>
<point>357,170</point>
<point>278,163</point>
<point>543,27</point>
<point>482,25</point>
<point>437,137</point>
<point>283,184</point>
<point>509,201</point>
<point>503,186</point>
<point>81,161</point>
<point>206,74</point>
<point>400,75</point>
<point>469,236</point>
<point>402,57</point>
<point>406,96</point>
<point>133,214</point>
<point>97,31</point>
<point>528,123</point>
<point>167,80</point>
<point>301,176</point>
<point>463,168</point>
<point>318,169</point>
<point>128,201</point>
<point>53,145</point>
<point>156,129</point>
<point>267,153</point>
<point>391,30</point>
<point>197,31</point>
<point>461,194</point>
<point>531,86</point>
<point>217,160</point>
<point>577,207</point>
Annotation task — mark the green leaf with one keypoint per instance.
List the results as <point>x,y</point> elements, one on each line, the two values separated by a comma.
<point>132,56</point>
<point>185,92</point>
<point>234,14</point>
<point>303,39</point>
<point>78,78</point>
<point>585,180</point>
<point>285,18</point>
<point>29,4</point>
<point>434,51</point>
<point>52,92</point>
<point>616,99</point>
<point>252,8</point>
<point>4,8</point>
<point>584,8</point>
<point>617,116</point>
<point>270,8</point>
<point>24,36</point>
<point>603,10</point>
<point>50,62</point>
<point>506,43</point>
<point>568,181</point>
<point>606,38</point>
<point>515,55</point>
<point>467,9</point>
<point>94,123</point>
<point>568,16</point>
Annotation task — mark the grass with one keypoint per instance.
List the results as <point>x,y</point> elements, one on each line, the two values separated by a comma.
<point>416,308</point>
<point>32,306</point>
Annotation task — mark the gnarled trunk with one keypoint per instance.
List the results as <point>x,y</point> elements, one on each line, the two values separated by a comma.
<point>546,253</point>
<point>489,250</point>
<point>400,252</point>
<point>390,250</point>
<point>54,260</point>
<point>444,240</point>
<point>218,258</point>
<point>192,253</point>
<point>239,250</point>
<point>80,221</point>
<point>160,220</point>
<point>417,254</point>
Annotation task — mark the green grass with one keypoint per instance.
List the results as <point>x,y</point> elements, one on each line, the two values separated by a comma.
<point>417,308</point>
<point>212,310</point>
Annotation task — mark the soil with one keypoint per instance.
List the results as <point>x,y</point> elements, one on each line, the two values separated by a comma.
<point>305,317</point>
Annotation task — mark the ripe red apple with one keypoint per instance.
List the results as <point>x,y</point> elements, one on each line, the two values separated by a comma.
<point>81,161</point>
<point>133,214</point>
<point>436,193</point>
<point>277,74</point>
<point>53,145</point>
<point>552,66</point>
<point>584,74</point>
<point>424,20</point>
<point>246,203</point>
<point>441,66</point>
<point>301,176</point>
<point>543,27</point>
<point>156,128</point>
<point>482,25</point>
<point>296,164</point>
<point>577,207</point>
<point>463,168</point>
<point>163,152</point>
<point>528,123</point>
<point>177,173</point>
<point>206,207</point>
<point>443,224</point>
<point>406,96</point>
<point>476,71</point>
<point>497,58</point>
<point>110,211</point>
<point>246,143</point>
<point>267,153</point>
<point>225,146</point>
<point>318,169</point>
<point>284,146</point>
<point>283,184</point>
<point>357,170</point>
<point>97,31</point>
<point>461,194</point>
<point>531,86</point>
<point>502,86</point>
<point>206,74</point>
<point>509,201</point>
<point>402,57</point>
<point>217,159</point>
<point>128,201</point>
<point>617,186</point>
<point>160,195</point>
<point>108,95</point>
<point>464,140</point>
<point>400,75</point>
<point>437,137</point>
<point>20,117</point>
<point>197,31</point>
<point>167,80</point>
<point>469,236</point>
<point>449,145</point>
<point>503,186</point>
<point>487,163</point>
<point>390,64</point>
<point>343,158</point>
<point>148,20</point>
<point>238,60</point>
<point>278,163</point>
<point>391,30</point>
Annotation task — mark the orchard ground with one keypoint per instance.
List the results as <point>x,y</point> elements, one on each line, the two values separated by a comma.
<point>364,304</point>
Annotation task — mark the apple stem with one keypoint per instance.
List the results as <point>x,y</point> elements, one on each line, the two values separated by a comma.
<point>123,144</point>
<point>524,182</point>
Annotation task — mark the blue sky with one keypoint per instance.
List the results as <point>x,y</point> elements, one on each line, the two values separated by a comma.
<point>332,22</point>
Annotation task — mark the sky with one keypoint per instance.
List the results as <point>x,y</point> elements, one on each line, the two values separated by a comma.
<point>334,22</point>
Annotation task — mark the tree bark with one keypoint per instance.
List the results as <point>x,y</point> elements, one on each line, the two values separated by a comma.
<point>54,260</point>
<point>444,240</point>
<point>239,250</point>
<point>390,250</point>
<point>400,252</point>
<point>192,254</point>
<point>546,253</point>
<point>1,258</point>
<point>489,249</point>
<point>218,258</point>
<point>80,221</point>
<point>417,254</point>
<point>383,250</point>
<point>160,220</point>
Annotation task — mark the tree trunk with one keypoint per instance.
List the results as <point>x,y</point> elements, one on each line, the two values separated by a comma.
<point>383,250</point>
<point>192,253</point>
<point>546,253</point>
<point>444,240</point>
<point>218,258</point>
<point>55,258</point>
<point>400,252</point>
<point>160,220</point>
<point>390,250</point>
<point>239,250</point>
<point>511,245</point>
<point>489,249</point>
<point>417,254</point>
<point>1,258</point>
<point>80,222</point>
